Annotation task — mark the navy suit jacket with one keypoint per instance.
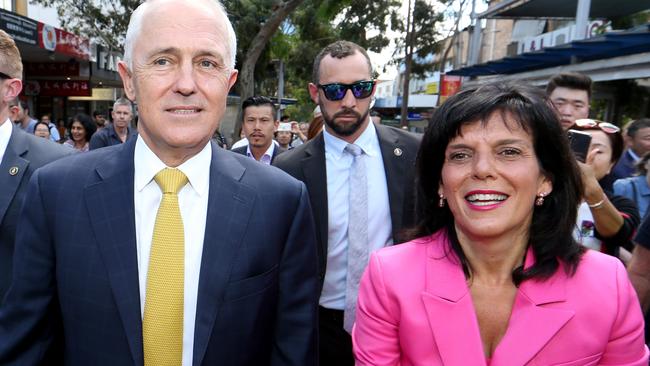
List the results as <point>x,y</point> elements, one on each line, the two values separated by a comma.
<point>76,263</point>
<point>244,149</point>
<point>398,150</point>
<point>25,153</point>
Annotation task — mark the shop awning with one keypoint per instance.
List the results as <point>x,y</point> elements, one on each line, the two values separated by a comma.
<point>562,8</point>
<point>608,45</point>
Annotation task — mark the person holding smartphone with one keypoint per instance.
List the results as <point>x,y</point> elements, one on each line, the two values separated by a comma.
<point>606,222</point>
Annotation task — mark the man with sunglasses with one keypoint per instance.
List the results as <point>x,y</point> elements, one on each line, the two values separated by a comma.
<point>360,181</point>
<point>20,155</point>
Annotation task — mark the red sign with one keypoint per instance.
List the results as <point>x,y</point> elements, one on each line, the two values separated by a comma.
<point>60,41</point>
<point>58,88</point>
<point>51,69</point>
<point>449,85</point>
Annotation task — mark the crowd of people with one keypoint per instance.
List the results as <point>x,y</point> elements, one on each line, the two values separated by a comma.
<point>491,239</point>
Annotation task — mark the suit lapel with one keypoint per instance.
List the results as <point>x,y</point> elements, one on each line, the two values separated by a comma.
<point>109,202</point>
<point>396,170</point>
<point>12,169</point>
<point>530,316</point>
<point>230,205</point>
<point>450,310</point>
<point>314,172</point>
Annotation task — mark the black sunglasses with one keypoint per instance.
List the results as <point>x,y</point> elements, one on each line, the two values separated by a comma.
<point>4,76</point>
<point>336,91</point>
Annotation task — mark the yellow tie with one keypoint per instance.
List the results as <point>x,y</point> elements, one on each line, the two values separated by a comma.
<point>163,306</point>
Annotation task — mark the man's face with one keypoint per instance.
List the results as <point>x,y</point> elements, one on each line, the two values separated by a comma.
<point>304,128</point>
<point>346,118</point>
<point>572,104</point>
<point>122,115</point>
<point>45,119</point>
<point>259,126</point>
<point>15,113</point>
<point>640,142</point>
<point>100,120</point>
<point>180,76</point>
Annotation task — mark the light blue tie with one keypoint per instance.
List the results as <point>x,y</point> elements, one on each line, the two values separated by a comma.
<point>357,233</point>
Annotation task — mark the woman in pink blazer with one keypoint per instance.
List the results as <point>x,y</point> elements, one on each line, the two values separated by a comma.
<point>494,276</point>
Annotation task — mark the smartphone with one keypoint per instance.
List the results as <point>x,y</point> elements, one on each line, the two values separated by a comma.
<point>579,142</point>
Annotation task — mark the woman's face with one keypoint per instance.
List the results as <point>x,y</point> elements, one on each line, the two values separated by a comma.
<point>78,132</point>
<point>42,130</point>
<point>600,153</point>
<point>491,177</point>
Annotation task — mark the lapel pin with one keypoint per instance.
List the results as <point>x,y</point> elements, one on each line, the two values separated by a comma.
<point>397,151</point>
<point>13,170</point>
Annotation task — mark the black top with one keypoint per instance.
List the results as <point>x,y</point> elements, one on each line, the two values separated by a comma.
<point>631,219</point>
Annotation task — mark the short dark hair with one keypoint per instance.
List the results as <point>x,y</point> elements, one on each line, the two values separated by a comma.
<point>87,123</point>
<point>570,80</point>
<point>338,49</point>
<point>550,233</point>
<point>256,101</point>
<point>634,126</point>
<point>99,113</point>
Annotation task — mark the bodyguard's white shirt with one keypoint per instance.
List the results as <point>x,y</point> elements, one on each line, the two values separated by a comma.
<point>5,136</point>
<point>338,163</point>
<point>266,158</point>
<point>193,202</point>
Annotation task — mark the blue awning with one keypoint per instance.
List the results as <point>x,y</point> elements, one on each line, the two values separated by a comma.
<point>608,45</point>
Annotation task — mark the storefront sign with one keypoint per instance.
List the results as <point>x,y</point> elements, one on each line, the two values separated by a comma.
<point>107,60</point>
<point>58,88</point>
<point>450,85</point>
<point>60,41</point>
<point>51,69</point>
<point>20,28</point>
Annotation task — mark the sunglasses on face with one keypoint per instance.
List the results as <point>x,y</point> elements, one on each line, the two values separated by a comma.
<point>4,76</point>
<point>337,91</point>
<point>592,123</point>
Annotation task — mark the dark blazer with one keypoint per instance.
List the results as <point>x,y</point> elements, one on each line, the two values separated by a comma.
<point>76,263</point>
<point>25,153</point>
<point>244,149</point>
<point>398,150</point>
<point>625,167</point>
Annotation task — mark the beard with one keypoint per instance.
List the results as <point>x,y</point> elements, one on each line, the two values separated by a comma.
<point>342,129</point>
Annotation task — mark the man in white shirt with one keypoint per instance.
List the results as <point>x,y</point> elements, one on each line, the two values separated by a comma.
<point>259,125</point>
<point>20,155</point>
<point>360,179</point>
<point>166,250</point>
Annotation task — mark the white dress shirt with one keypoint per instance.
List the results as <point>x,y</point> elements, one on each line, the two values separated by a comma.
<point>5,136</point>
<point>193,202</point>
<point>266,158</point>
<point>338,163</point>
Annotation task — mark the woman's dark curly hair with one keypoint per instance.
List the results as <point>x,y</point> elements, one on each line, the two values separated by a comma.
<point>553,223</point>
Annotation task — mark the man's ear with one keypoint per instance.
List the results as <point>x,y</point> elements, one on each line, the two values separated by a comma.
<point>313,93</point>
<point>127,80</point>
<point>276,124</point>
<point>12,89</point>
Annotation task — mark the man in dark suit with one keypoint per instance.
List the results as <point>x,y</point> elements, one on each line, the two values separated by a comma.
<point>20,155</point>
<point>638,141</point>
<point>258,126</point>
<point>166,250</point>
<point>360,179</point>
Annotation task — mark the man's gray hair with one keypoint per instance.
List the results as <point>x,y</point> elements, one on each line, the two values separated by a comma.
<point>123,101</point>
<point>135,26</point>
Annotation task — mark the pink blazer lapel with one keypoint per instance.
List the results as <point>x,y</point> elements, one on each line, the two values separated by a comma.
<point>532,324</point>
<point>449,308</point>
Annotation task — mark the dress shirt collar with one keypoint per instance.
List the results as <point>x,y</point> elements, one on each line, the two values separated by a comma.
<point>5,136</point>
<point>367,141</point>
<point>634,156</point>
<point>196,168</point>
<point>266,157</point>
